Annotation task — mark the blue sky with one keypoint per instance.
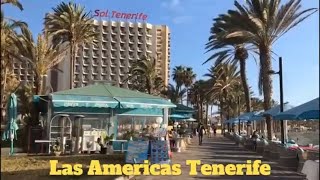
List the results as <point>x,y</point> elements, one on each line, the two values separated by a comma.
<point>189,22</point>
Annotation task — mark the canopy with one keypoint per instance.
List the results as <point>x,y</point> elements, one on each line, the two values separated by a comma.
<point>191,120</point>
<point>257,117</point>
<point>177,116</point>
<point>12,127</point>
<point>275,110</point>
<point>183,109</point>
<point>107,96</point>
<point>248,115</point>
<point>308,110</point>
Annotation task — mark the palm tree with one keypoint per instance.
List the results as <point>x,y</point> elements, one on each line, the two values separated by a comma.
<point>189,78</point>
<point>178,76</point>
<point>143,70</point>
<point>9,30</point>
<point>223,77</point>
<point>173,94</point>
<point>41,55</point>
<point>261,23</point>
<point>15,3</point>
<point>69,23</point>
<point>225,52</point>
<point>198,95</point>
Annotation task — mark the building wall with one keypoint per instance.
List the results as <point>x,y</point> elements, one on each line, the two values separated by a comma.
<point>110,57</point>
<point>23,72</point>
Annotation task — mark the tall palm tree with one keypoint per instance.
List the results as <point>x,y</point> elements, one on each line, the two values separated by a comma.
<point>189,79</point>
<point>261,23</point>
<point>178,76</point>
<point>227,52</point>
<point>15,3</point>
<point>224,77</point>
<point>198,94</point>
<point>9,29</point>
<point>71,24</point>
<point>144,71</point>
<point>173,94</point>
<point>41,55</point>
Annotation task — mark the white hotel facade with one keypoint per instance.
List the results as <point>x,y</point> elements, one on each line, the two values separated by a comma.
<point>109,59</point>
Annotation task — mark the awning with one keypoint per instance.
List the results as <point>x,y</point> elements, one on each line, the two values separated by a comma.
<point>83,101</point>
<point>308,110</point>
<point>107,96</point>
<point>126,102</point>
<point>275,110</point>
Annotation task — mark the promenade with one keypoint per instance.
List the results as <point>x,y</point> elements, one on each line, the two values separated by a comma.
<point>220,150</point>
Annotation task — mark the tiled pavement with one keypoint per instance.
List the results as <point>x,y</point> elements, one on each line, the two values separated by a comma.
<point>220,150</point>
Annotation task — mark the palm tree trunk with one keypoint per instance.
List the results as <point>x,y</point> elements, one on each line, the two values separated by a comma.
<point>207,109</point>
<point>265,62</point>
<point>187,96</point>
<point>73,53</point>
<point>201,110</point>
<point>3,90</point>
<point>39,85</point>
<point>245,84</point>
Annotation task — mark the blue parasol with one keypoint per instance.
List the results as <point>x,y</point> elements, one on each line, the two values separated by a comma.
<point>308,110</point>
<point>10,132</point>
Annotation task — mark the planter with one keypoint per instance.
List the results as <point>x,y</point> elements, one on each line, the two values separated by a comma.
<point>57,153</point>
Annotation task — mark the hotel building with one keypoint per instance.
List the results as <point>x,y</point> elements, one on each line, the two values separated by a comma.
<point>110,57</point>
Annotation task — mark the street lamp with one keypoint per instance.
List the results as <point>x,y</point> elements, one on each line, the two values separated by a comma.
<point>283,123</point>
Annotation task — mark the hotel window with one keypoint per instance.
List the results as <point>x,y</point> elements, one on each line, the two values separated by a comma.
<point>104,77</point>
<point>85,70</point>
<point>94,70</point>
<point>123,30</point>
<point>95,53</point>
<point>16,71</point>
<point>85,78</point>
<point>104,62</point>
<point>105,29</point>
<point>77,61</point>
<point>114,29</point>
<point>76,77</point>
<point>95,46</point>
<point>104,45</point>
<point>104,70</point>
<point>94,77</point>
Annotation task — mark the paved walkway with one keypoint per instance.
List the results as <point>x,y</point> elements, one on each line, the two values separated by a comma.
<point>220,150</point>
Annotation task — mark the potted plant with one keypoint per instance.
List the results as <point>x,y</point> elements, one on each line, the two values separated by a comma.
<point>56,148</point>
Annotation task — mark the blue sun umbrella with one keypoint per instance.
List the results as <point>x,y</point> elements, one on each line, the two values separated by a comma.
<point>275,110</point>
<point>10,132</point>
<point>308,110</point>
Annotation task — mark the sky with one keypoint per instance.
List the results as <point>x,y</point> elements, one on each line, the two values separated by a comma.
<point>190,21</point>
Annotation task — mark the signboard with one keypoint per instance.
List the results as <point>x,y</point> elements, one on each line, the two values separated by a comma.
<point>137,151</point>
<point>160,152</point>
<point>119,15</point>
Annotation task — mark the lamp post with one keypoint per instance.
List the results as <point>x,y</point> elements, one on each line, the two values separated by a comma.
<point>283,122</point>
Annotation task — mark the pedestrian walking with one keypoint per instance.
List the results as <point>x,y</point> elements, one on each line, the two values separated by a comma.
<point>210,132</point>
<point>214,129</point>
<point>201,132</point>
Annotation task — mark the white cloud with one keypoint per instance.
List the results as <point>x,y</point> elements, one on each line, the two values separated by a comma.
<point>173,5</point>
<point>182,19</point>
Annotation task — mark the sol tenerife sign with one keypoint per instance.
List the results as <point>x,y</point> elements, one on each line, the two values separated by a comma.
<point>120,15</point>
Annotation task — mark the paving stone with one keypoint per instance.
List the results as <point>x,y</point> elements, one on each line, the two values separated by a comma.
<point>220,150</point>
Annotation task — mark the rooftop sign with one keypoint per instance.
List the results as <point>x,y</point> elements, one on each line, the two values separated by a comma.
<point>119,15</point>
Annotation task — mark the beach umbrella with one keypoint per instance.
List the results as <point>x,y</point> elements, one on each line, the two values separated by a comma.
<point>191,119</point>
<point>10,132</point>
<point>308,110</point>
<point>276,110</point>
